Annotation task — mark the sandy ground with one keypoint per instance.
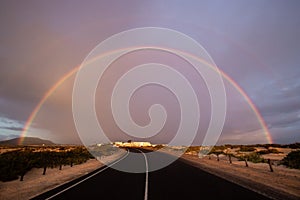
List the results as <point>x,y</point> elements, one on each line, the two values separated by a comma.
<point>283,183</point>
<point>35,183</point>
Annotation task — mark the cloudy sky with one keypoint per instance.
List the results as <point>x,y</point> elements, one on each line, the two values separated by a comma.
<point>256,43</point>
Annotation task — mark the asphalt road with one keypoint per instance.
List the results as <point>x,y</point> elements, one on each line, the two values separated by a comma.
<point>176,181</point>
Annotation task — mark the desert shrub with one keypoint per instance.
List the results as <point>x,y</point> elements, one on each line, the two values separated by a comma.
<point>217,149</point>
<point>294,146</point>
<point>247,148</point>
<point>267,151</point>
<point>193,148</point>
<point>273,151</point>
<point>229,146</point>
<point>17,163</point>
<point>103,150</point>
<point>292,160</point>
<point>254,157</point>
<point>263,152</point>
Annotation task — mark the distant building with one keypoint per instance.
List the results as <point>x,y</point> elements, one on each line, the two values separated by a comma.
<point>133,144</point>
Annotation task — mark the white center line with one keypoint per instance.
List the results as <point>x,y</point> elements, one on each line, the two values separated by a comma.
<point>88,177</point>
<point>146,183</point>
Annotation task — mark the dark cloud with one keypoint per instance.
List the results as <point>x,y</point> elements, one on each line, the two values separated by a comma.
<point>12,128</point>
<point>284,120</point>
<point>281,97</point>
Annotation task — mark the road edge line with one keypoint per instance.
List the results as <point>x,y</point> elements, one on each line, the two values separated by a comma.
<point>88,177</point>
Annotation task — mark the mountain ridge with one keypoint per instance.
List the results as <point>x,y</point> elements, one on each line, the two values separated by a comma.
<point>26,141</point>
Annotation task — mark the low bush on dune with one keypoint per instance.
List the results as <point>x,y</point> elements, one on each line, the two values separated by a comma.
<point>252,157</point>
<point>255,158</point>
<point>247,148</point>
<point>267,151</point>
<point>292,160</point>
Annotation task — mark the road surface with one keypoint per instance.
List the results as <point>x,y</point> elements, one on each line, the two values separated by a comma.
<point>176,181</point>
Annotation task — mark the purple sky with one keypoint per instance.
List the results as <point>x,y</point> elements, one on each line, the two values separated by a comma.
<point>256,43</point>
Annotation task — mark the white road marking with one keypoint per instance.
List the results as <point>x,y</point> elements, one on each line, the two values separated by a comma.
<point>88,177</point>
<point>146,183</point>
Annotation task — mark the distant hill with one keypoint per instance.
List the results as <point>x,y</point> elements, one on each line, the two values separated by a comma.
<point>26,141</point>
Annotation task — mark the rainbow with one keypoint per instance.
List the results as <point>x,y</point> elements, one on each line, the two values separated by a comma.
<point>43,100</point>
<point>252,106</point>
<point>76,69</point>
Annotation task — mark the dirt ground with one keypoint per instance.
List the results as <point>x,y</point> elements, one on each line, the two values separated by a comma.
<point>283,183</point>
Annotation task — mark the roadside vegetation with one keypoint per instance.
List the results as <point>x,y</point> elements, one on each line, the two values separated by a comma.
<point>251,153</point>
<point>102,150</point>
<point>292,160</point>
<point>16,163</point>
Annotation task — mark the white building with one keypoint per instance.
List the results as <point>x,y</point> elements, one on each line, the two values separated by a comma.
<point>133,144</point>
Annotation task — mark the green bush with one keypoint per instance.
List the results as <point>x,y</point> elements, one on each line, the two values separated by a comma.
<point>255,158</point>
<point>292,160</point>
<point>267,151</point>
<point>274,151</point>
<point>217,150</point>
<point>247,149</point>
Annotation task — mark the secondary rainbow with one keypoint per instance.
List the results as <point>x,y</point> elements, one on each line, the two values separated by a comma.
<point>73,71</point>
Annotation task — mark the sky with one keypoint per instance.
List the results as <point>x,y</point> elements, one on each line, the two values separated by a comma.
<point>255,43</point>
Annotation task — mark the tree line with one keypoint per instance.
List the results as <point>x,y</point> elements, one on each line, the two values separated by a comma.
<point>17,163</point>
